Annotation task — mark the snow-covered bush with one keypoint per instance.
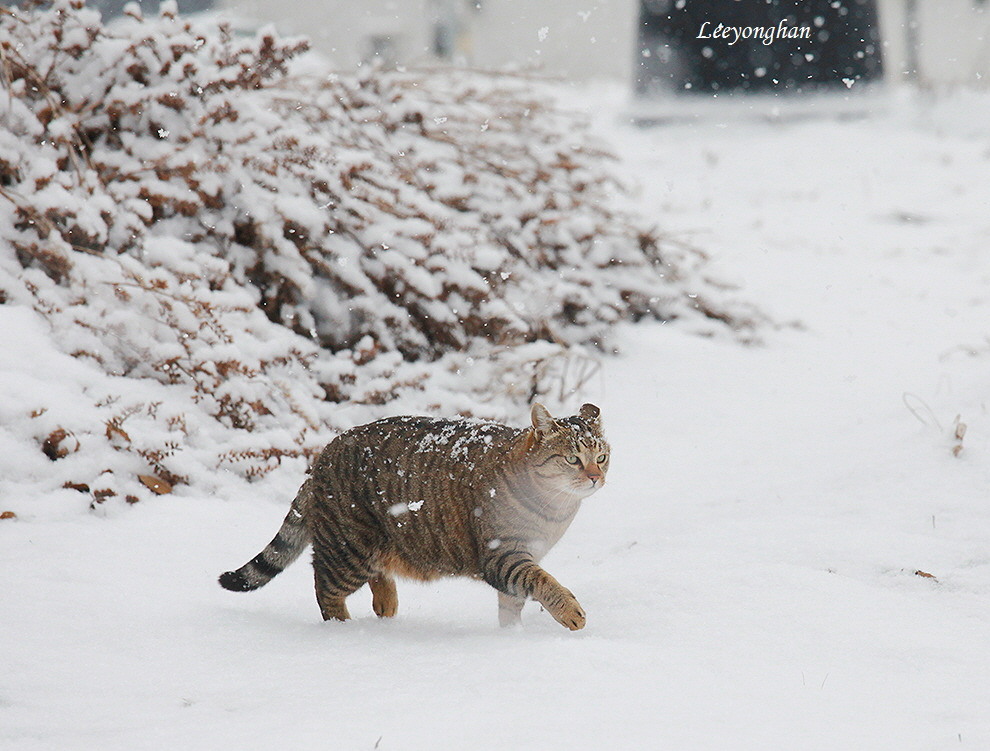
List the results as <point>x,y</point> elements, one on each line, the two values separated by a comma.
<point>246,246</point>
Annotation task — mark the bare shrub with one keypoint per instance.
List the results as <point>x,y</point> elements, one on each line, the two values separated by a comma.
<point>245,248</point>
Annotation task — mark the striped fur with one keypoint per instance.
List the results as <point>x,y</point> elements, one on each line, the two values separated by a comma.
<point>292,538</point>
<point>423,498</point>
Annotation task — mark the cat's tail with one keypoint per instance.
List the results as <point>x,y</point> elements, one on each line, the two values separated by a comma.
<point>292,538</point>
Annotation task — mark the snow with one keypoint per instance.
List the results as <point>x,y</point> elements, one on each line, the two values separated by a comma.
<point>752,571</point>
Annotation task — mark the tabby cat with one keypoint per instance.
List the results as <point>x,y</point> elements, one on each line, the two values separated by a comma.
<point>424,498</point>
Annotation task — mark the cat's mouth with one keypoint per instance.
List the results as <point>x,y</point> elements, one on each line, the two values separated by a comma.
<point>586,487</point>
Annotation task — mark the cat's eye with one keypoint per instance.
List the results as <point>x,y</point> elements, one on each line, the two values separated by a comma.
<point>602,458</point>
<point>572,459</point>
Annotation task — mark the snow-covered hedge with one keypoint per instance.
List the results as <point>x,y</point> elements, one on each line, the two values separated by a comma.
<point>261,252</point>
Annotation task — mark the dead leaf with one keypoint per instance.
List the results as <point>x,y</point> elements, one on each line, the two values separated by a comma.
<point>53,446</point>
<point>115,433</point>
<point>8,515</point>
<point>959,433</point>
<point>156,484</point>
<point>99,496</point>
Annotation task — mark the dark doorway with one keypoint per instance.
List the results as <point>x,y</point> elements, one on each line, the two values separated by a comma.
<point>711,46</point>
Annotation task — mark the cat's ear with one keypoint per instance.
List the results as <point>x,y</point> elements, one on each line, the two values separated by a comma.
<point>592,417</point>
<point>542,421</point>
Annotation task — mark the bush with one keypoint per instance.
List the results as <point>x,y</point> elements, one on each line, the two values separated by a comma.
<point>245,243</point>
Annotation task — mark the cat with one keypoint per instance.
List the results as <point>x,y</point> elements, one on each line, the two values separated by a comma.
<point>422,498</point>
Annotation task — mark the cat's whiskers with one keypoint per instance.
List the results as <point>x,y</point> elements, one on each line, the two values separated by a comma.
<point>548,499</point>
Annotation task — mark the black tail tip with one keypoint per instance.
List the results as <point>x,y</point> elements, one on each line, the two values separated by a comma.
<point>235,581</point>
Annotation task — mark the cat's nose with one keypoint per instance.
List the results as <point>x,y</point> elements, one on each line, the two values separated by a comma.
<point>594,474</point>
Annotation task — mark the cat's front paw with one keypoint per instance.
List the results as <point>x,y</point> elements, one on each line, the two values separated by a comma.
<point>569,613</point>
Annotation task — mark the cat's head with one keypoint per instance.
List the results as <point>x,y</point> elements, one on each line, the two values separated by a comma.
<point>569,454</point>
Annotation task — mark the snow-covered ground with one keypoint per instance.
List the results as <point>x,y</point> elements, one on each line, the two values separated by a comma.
<point>788,554</point>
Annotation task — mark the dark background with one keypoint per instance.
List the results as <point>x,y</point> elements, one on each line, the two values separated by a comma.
<point>844,44</point>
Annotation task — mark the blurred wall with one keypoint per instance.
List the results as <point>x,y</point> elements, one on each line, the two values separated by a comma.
<point>952,40</point>
<point>576,39</point>
<point>579,39</point>
<point>349,32</point>
<point>586,39</point>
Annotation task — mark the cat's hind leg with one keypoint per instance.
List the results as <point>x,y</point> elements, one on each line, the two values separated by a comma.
<point>384,598</point>
<point>331,597</point>
<point>336,578</point>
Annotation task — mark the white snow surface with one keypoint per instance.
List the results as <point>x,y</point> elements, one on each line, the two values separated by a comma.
<point>752,571</point>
